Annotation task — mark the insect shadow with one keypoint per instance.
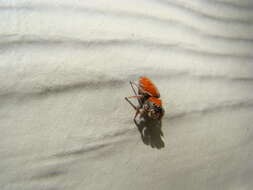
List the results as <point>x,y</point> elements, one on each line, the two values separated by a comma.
<point>151,131</point>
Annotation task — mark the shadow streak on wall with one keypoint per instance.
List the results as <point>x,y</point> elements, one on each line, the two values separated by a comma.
<point>151,132</point>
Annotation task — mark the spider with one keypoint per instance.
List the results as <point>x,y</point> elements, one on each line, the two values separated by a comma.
<point>148,97</point>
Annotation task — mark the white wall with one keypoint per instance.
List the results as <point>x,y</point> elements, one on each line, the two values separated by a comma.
<point>64,72</point>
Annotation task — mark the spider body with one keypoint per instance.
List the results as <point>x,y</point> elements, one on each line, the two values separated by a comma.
<point>148,97</point>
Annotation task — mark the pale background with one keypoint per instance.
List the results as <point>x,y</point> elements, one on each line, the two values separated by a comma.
<point>64,72</point>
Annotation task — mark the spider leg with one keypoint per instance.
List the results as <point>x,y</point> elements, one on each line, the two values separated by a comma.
<point>137,113</point>
<point>126,98</point>
<point>139,96</point>
<point>132,83</point>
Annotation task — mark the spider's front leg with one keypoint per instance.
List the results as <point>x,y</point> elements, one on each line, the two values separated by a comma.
<point>138,96</point>
<point>126,98</point>
<point>138,109</point>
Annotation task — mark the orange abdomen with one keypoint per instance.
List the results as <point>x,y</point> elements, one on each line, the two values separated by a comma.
<point>148,86</point>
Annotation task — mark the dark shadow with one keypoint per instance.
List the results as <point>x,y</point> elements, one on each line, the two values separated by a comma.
<point>151,131</point>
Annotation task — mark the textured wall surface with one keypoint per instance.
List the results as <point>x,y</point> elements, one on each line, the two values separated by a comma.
<point>64,71</point>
